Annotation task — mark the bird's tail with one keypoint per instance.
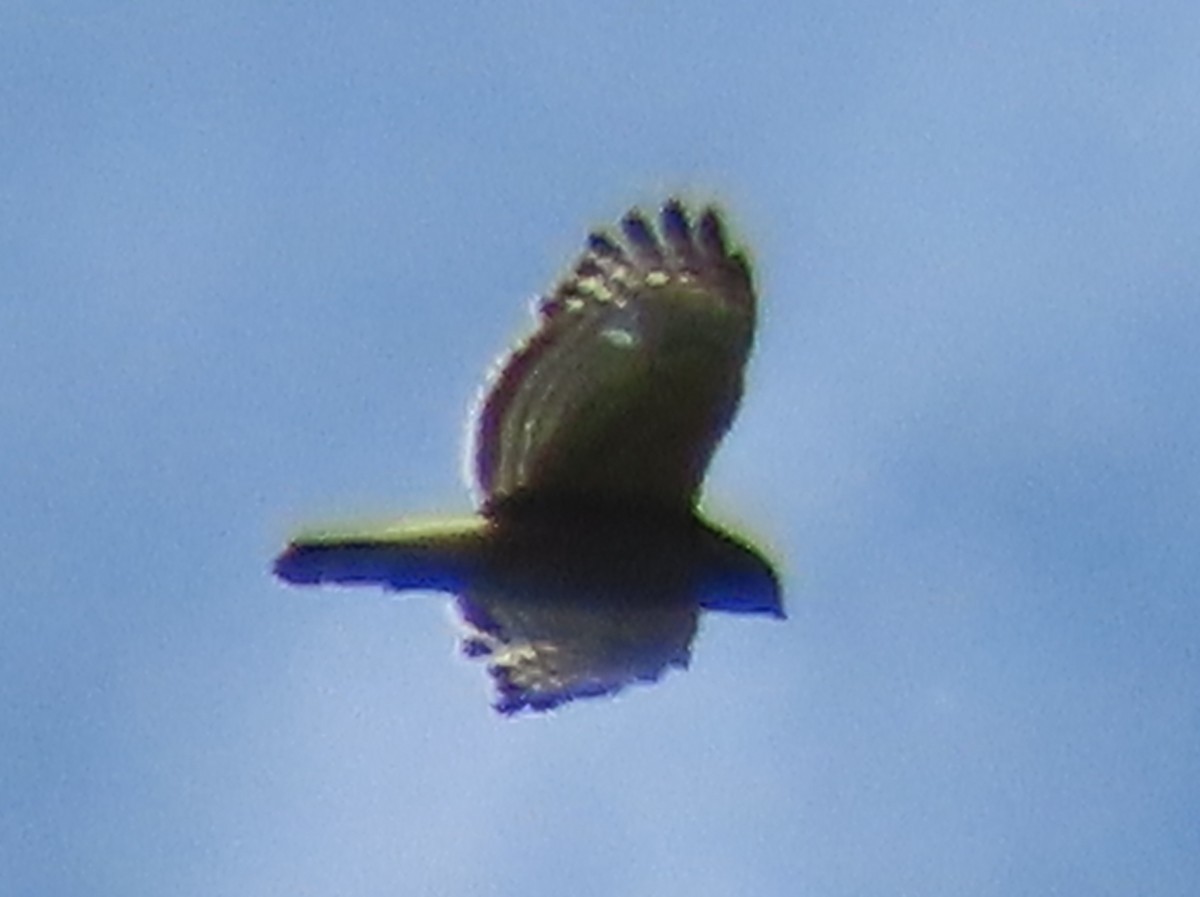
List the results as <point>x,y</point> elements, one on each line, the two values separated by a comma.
<point>439,554</point>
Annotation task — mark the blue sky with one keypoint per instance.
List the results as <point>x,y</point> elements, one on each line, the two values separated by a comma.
<point>255,260</point>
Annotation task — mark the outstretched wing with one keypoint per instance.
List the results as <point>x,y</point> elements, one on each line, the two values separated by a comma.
<point>541,654</point>
<point>633,376</point>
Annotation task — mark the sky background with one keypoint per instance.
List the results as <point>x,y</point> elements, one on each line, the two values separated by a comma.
<point>255,259</point>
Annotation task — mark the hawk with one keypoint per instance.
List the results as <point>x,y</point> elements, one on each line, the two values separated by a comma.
<point>588,560</point>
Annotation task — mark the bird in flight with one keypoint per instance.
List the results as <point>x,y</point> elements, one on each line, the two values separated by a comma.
<point>588,560</point>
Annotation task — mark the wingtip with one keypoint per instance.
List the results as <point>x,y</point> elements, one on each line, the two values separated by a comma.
<point>641,236</point>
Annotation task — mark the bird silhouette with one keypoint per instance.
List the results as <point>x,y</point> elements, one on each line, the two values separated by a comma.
<point>588,561</point>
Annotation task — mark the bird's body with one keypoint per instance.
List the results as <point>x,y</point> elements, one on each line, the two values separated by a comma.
<point>587,561</point>
<point>598,553</point>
